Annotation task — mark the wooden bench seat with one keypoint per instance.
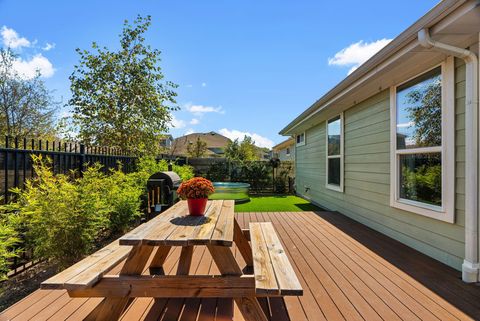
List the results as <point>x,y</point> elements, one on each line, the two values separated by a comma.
<point>90,270</point>
<point>274,275</point>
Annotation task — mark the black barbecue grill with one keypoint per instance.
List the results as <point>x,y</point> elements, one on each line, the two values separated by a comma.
<point>162,191</point>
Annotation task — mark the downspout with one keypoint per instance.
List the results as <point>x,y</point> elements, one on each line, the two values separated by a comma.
<point>470,266</point>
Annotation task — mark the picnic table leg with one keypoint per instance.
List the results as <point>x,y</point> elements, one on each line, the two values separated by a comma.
<point>112,308</point>
<point>242,244</point>
<point>227,265</point>
<point>185,260</point>
<point>156,266</point>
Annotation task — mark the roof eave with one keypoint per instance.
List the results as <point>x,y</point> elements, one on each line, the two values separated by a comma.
<point>432,17</point>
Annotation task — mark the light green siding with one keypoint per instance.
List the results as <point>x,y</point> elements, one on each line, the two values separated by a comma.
<point>366,197</point>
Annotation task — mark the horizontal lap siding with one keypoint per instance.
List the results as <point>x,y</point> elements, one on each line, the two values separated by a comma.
<point>367,178</point>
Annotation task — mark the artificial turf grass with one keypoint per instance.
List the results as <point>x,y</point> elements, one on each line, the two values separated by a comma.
<point>276,203</point>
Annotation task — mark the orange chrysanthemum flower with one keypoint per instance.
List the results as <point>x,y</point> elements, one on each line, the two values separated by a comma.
<point>197,187</point>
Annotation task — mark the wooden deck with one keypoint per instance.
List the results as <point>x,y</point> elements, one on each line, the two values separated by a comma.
<point>348,272</point>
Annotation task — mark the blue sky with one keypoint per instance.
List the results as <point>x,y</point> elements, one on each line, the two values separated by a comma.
<point>242,66</point>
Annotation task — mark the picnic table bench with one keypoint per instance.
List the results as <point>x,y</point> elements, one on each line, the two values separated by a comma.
<point>148,246</point>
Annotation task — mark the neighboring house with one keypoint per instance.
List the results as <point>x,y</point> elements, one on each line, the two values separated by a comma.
<point>166,141</point>
<point>216,144</point>
<point>395,144</point>
<point>285,151</point>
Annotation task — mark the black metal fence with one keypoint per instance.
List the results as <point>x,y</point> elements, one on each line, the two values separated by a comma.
<point>16,167</point>
<point>16,159</point>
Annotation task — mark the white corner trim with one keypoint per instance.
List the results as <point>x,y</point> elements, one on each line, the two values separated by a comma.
<point>447,211</point>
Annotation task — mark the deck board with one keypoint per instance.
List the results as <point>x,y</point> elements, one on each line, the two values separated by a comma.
<point>347,271</point>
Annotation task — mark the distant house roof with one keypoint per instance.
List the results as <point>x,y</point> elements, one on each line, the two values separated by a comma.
<point>216,143</point>
<point>286,143</point>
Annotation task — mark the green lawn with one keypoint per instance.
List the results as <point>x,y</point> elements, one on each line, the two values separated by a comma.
<point>276,203</point>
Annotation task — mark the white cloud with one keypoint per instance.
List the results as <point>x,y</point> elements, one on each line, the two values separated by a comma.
<point>194,121</point>
<point>200,109</point>
<point>357,53</point>
<point>405,125</point>
<point>49,46</point>
<point>28,68</point>
<point>204,84</point>
<point>10,38</point>
<point>236,134</point>
<point>189,131</point>
<point>177,123</point>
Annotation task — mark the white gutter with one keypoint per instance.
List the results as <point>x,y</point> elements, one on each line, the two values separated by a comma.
<point>471,265</point>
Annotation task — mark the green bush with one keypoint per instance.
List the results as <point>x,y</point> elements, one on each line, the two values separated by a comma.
<point>64,216</point>
<point>123,196</point>
<point>61,216</point>
<point>8,239</point>
<point>148,165</point>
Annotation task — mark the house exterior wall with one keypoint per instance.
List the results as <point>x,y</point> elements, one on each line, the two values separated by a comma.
<point>283,156</point>
<point>366,196</point>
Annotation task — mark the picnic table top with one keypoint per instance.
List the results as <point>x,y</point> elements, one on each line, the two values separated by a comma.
<point>176,228</point>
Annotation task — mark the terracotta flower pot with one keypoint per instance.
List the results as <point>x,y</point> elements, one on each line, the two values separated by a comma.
<point>196,206</point>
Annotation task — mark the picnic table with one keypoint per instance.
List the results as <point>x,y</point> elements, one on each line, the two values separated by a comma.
<point>148,246</point>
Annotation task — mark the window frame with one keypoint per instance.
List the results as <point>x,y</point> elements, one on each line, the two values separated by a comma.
<point>337,188</point>
<point>302,143</point>
<point>445,212</point>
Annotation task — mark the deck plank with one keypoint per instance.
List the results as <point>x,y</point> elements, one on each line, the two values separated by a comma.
<point>347,271</point>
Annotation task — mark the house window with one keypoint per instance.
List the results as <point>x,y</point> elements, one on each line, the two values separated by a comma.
<point>301,139</point>
<point>422,157</point>
<point>334,162</point>
<point>288,151</point>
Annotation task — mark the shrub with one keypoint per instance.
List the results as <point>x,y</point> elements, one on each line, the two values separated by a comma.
<point>123,196</point>
<point>8,239</point>
<point>219,172</point>
<point>148,165</point>
<point>61,217</point>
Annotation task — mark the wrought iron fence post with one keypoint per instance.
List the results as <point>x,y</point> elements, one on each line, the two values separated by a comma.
<point>83,159</point>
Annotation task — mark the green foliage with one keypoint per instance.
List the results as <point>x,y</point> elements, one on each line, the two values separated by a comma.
<point>149,165</point>
<point>8,239</point>
<point>423,184</point>
<point>197,149</point>
<point>26,105</point>
<point>244,151</point>
<point>63,217</point>
<point>120,98</point>
<point>219,172</point>
<point>425,111</point>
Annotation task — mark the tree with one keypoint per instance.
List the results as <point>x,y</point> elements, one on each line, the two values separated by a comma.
<point>425,111</point>
<point>197,149</point>
<point>26,105</point>
<point>120,98</point>
<point>241,151</point>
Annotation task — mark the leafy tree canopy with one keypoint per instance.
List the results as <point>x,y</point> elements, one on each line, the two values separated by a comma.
<point>26,106</point>
<point>241,151</point>
<point>197,149</point>
<point>120,98</point>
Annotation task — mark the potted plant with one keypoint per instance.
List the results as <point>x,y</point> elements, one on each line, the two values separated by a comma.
<point>196,192</point>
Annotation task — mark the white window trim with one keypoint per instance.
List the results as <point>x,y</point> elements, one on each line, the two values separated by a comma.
<point>446,212</point>
<point>304,139</point>
<point>327,157</point>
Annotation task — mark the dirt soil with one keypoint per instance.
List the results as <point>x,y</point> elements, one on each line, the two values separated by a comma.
<point>21,285</point>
